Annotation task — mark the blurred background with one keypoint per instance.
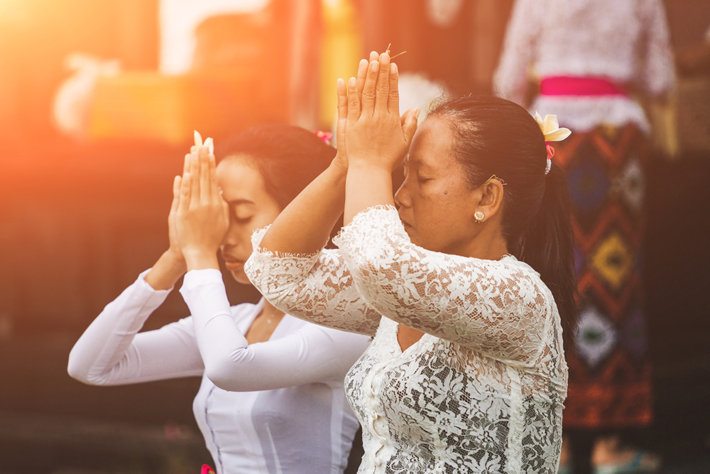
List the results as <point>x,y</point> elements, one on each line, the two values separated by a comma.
<point>98,101</point>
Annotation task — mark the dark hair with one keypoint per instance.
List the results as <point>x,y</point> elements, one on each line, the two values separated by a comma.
<point>494,136</point>
<point>287,157</point>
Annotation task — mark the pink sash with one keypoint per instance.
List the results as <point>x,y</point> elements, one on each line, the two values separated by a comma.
<point>581,86</point>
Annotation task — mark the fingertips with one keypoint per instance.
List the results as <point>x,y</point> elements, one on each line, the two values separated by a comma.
<point>373,56</point>
<point>383,78</point>
<point>369,89</point>
<point>361,73</point>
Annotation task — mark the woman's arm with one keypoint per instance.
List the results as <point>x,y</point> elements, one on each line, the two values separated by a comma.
<point>110,352</point>
<point>377,138</point>
<point>658,74</point>
<point>310,355</point>
<point>500,308</point>
<point>287,265</point>
<point>316,287</point>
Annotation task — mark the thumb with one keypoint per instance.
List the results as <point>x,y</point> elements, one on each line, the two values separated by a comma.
<point>409,124</point>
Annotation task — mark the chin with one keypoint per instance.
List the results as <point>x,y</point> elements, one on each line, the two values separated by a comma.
<point>240,277</point>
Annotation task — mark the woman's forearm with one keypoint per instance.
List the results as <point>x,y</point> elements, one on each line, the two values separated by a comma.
<point>366,186</point>
<point>305,225</point>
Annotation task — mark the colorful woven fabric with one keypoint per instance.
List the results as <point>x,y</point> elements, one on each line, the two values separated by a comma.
<point>609,370</point>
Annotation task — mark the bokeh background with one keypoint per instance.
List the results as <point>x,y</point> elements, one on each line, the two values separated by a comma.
<point>98,100</point>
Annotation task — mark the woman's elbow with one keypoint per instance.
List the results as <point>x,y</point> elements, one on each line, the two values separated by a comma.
<point>76,369</point>
<point>225,371</point>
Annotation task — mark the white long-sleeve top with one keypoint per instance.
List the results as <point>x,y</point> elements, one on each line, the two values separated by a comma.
<point>284,408</point>
<point>626,41</point>
<point>481,391</point>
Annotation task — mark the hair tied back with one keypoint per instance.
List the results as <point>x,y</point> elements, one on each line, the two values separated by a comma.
<point>550,128</point>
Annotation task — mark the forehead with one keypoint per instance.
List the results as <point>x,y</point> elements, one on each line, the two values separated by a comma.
<point>432,144</point>
<point>239,178</point>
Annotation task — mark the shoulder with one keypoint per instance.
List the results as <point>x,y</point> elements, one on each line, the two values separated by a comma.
<point>524,280</point>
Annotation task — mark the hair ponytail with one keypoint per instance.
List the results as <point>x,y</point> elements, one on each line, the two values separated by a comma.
<point>547,245</point>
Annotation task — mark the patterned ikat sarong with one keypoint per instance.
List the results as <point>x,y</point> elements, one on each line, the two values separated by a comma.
<point>609,378</point>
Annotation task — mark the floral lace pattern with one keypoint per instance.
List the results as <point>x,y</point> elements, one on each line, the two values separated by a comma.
<point>481,391</point>
<point>316,287</point>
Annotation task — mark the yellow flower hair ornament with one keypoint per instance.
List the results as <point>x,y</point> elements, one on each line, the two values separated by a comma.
<point>550,128</point>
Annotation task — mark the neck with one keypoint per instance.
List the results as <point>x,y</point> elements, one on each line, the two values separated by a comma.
<point>489,243</point>
<point>270,312</point>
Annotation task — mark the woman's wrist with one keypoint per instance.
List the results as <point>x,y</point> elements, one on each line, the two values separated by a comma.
<point>370,166</point>
<point>166,271</point>
<point>199,259</point>
<point>338,168</point>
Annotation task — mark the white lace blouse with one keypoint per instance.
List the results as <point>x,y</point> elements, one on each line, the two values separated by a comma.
<point>626,41</point>
<point>287,412</point>
<point>481,391</point>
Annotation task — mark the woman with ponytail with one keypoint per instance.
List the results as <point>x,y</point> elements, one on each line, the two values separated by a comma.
<point>466,370</point>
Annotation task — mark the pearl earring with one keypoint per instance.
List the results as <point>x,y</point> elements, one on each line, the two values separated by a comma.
<point>479,216</point>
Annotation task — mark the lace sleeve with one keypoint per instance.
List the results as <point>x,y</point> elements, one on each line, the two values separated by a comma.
<point>500,308</point>
<point>511,79</point>
<point>316,287</point>
<point>658,73</point>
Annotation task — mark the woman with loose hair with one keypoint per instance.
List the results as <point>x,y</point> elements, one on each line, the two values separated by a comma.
<point>463,277</point>
<point>272,397</point>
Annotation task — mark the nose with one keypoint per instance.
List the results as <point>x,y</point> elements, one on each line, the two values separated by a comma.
<point>233,237</point>
<point>402,197</point>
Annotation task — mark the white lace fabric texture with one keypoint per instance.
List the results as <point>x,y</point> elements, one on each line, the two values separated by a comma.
<point>624,40</point>
<point>481,391</point>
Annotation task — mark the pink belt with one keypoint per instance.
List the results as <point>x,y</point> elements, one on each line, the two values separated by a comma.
<point>580,86</point>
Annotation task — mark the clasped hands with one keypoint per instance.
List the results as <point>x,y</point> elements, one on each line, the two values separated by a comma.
<point>370,131</point>
<point>199,217</point>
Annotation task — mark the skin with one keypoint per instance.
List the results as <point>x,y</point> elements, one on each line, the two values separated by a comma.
<point>373,139</point>
<point>217,208</point>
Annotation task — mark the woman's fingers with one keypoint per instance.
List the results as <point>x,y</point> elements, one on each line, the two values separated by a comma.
<point>185,191</point>
<point>215,194</point>
<point>382,87</point>
<point>194,177</point>
<point>205,178</point>
<point>353,100</point>
<point>393,104</point>
<point>176,195</point>
<point>361,73</point>
<point>368,90</point>
<point>186,164</point>
<point>409,124</point>
<point>342,113</point>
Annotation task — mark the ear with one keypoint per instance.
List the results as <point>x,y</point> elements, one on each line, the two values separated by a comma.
<point>491,198</point>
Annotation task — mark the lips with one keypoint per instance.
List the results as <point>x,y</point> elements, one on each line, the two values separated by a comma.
<point>231,262</point>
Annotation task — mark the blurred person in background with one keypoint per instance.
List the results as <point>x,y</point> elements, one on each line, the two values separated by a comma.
<point>272,397</point>
<point>592,59</point>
